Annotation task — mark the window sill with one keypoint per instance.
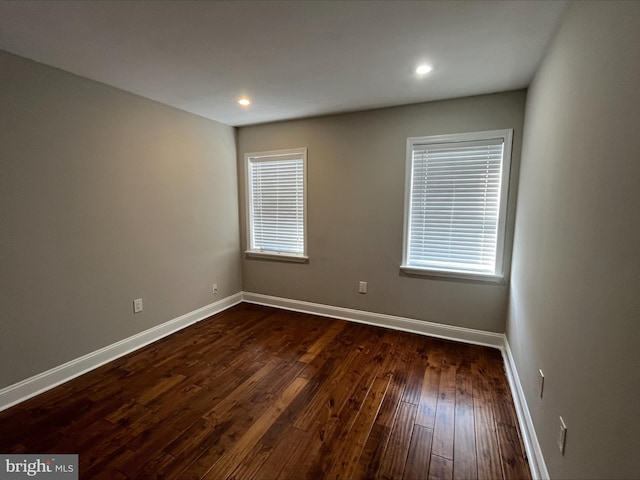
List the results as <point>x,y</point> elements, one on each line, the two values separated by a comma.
<point>474,277</point>
<point>283,257</point>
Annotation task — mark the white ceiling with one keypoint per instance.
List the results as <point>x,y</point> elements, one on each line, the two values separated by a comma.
<point>293,59</point>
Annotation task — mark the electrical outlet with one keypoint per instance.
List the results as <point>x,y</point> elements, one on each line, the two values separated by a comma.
<point>137,305</point>
<point>562,436</point>
<point>215,289</point>
<point>540,383</point>
<point>363,287</point>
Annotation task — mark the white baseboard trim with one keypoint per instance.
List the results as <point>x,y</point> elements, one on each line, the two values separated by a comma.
<point>30,387</point>
<point>532,446</point>
<point>448,332</point>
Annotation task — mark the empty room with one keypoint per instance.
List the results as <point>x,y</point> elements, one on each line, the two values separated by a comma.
<point>320,239</point>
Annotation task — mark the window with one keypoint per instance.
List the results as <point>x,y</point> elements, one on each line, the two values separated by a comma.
<point>455,204</point>
<point>276,186</point>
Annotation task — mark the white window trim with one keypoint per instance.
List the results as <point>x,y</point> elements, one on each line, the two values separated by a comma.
<point>274,255</point>
<point>507,136</point>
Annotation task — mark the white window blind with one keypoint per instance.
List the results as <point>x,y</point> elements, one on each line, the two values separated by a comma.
<point>457,203</point>
<point>276,183</point>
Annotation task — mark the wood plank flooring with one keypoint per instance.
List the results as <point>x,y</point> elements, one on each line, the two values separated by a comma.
<point>262,393</point>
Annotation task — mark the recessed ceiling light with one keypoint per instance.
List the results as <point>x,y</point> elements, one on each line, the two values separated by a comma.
<point>422,69</point>
<point>244,101</point>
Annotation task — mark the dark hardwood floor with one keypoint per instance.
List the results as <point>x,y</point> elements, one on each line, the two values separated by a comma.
<point>261,393</point>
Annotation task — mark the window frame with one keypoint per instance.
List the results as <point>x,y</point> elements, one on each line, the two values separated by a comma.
<point>501,233</point>
<point>275,155</point>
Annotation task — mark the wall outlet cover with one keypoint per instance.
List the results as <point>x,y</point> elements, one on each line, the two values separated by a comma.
<point>137,305</point>
<point>540,383</point>
<point>562,436</point>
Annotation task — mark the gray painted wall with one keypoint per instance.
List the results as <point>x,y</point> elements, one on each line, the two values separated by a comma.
<point>356,177</point>
<point>104,197</point>
<point>574,307</point>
